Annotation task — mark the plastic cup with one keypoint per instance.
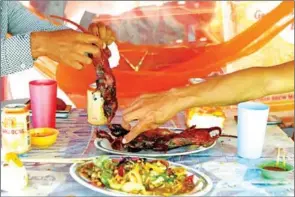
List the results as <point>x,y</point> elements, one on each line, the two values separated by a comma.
<point>252,123</point>
<point>43,103</point>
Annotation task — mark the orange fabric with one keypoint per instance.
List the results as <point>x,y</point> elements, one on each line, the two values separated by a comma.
<point>74,81</point>
<point>166,67</point>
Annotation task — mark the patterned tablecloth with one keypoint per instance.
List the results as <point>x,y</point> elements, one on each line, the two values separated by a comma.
<point>231,175</point>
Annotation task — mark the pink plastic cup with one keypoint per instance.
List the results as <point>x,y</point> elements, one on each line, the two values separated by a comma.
<point>43,103</point>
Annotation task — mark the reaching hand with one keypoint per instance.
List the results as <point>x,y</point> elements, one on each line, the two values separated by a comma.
<point>103,32</point>
<point>151,111</point>
<point>66,46</point>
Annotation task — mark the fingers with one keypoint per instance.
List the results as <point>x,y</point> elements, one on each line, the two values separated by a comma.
<point>125,124</point>
<point>83,59</point>
<point>143,125</point>
<point>86,48</point>
<point>95,55</point>
<point>139,114</point>
<point>74,64</point>
<point>93,28</point>
<point>134,115</point>
<point>127,119</point>
<point>77,61</point>
<point>102,31</point>
<point>109,32</point>
<point>110,37</point>
<point>90,39</point>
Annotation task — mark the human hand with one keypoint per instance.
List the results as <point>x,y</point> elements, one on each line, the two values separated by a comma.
<point>151,111</point>
<point>103,32</point>
<point>66,46</point>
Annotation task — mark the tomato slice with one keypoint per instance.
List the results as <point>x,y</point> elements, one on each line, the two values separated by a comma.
<point>189,180</point>
<point>121,170</point>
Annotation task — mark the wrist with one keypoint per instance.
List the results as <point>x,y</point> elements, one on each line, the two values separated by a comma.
<point>183,99</point>
<point>38,44</point>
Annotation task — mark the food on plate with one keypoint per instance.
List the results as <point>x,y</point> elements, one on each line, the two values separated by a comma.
<point>205,117</point>
<point>160,139</point>
<point>13,173</point>
<point>139,176</point>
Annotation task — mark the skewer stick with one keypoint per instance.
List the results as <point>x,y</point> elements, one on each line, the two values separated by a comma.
<point>284,159</point>
<point>278,157</point>
<point>173,123</point>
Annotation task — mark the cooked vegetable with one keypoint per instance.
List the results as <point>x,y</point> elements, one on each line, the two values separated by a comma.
<point>138,176</point>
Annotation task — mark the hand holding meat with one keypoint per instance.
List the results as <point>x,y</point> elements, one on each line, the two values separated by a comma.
<point>151,110</point>
<point>66,46</point>
<point>103,32</point>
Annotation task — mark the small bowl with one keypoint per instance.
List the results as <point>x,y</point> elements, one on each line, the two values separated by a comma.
<point>272,174</point>
<point>43,137</point>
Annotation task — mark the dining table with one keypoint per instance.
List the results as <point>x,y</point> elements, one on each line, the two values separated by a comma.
<point>231,175</point>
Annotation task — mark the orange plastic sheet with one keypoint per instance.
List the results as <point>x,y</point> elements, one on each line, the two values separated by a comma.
<point>166,67</point>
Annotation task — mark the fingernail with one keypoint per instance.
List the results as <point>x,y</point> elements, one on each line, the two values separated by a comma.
<point>104,45</point>
<point>124,141</point>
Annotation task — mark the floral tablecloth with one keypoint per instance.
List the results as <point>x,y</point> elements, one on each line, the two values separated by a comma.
<point>231,175</point>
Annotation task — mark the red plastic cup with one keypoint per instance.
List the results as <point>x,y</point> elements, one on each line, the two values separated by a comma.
<point>43,103</point>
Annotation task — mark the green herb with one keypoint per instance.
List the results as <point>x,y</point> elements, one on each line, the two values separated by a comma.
<point>98,162</point>
<point>106,166</point>
<point>165,176</point>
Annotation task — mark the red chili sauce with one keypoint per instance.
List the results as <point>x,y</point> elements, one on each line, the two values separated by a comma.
<point>272,168</point>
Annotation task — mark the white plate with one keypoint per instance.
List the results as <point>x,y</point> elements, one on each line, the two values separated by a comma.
<point>105,146</point>
<point>204,188</point>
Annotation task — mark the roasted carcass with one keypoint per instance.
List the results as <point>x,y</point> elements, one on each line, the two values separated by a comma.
<point>105,80</point>
<point>160,139</point>
<point>106,84</point>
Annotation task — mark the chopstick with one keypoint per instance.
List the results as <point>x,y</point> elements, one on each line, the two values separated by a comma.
<point>56,160</point>
<point>283,157</point>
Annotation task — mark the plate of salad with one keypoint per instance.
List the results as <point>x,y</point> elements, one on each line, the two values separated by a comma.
<point>137,176</point>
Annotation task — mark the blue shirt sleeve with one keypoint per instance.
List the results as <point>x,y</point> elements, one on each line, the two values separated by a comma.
<point>16,51</point>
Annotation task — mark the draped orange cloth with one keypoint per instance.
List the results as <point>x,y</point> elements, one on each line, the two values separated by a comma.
<point>166,67</point>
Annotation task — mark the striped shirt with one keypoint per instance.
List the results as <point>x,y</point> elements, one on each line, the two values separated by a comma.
<point>20,22</point>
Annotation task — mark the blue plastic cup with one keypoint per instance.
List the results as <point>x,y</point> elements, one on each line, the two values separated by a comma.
<point>252,123</point>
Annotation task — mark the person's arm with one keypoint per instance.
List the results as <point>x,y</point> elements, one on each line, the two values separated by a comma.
<point>16,51</point>
<point>22,21</point>
<point>249,84</point>
<point>243,85</point>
